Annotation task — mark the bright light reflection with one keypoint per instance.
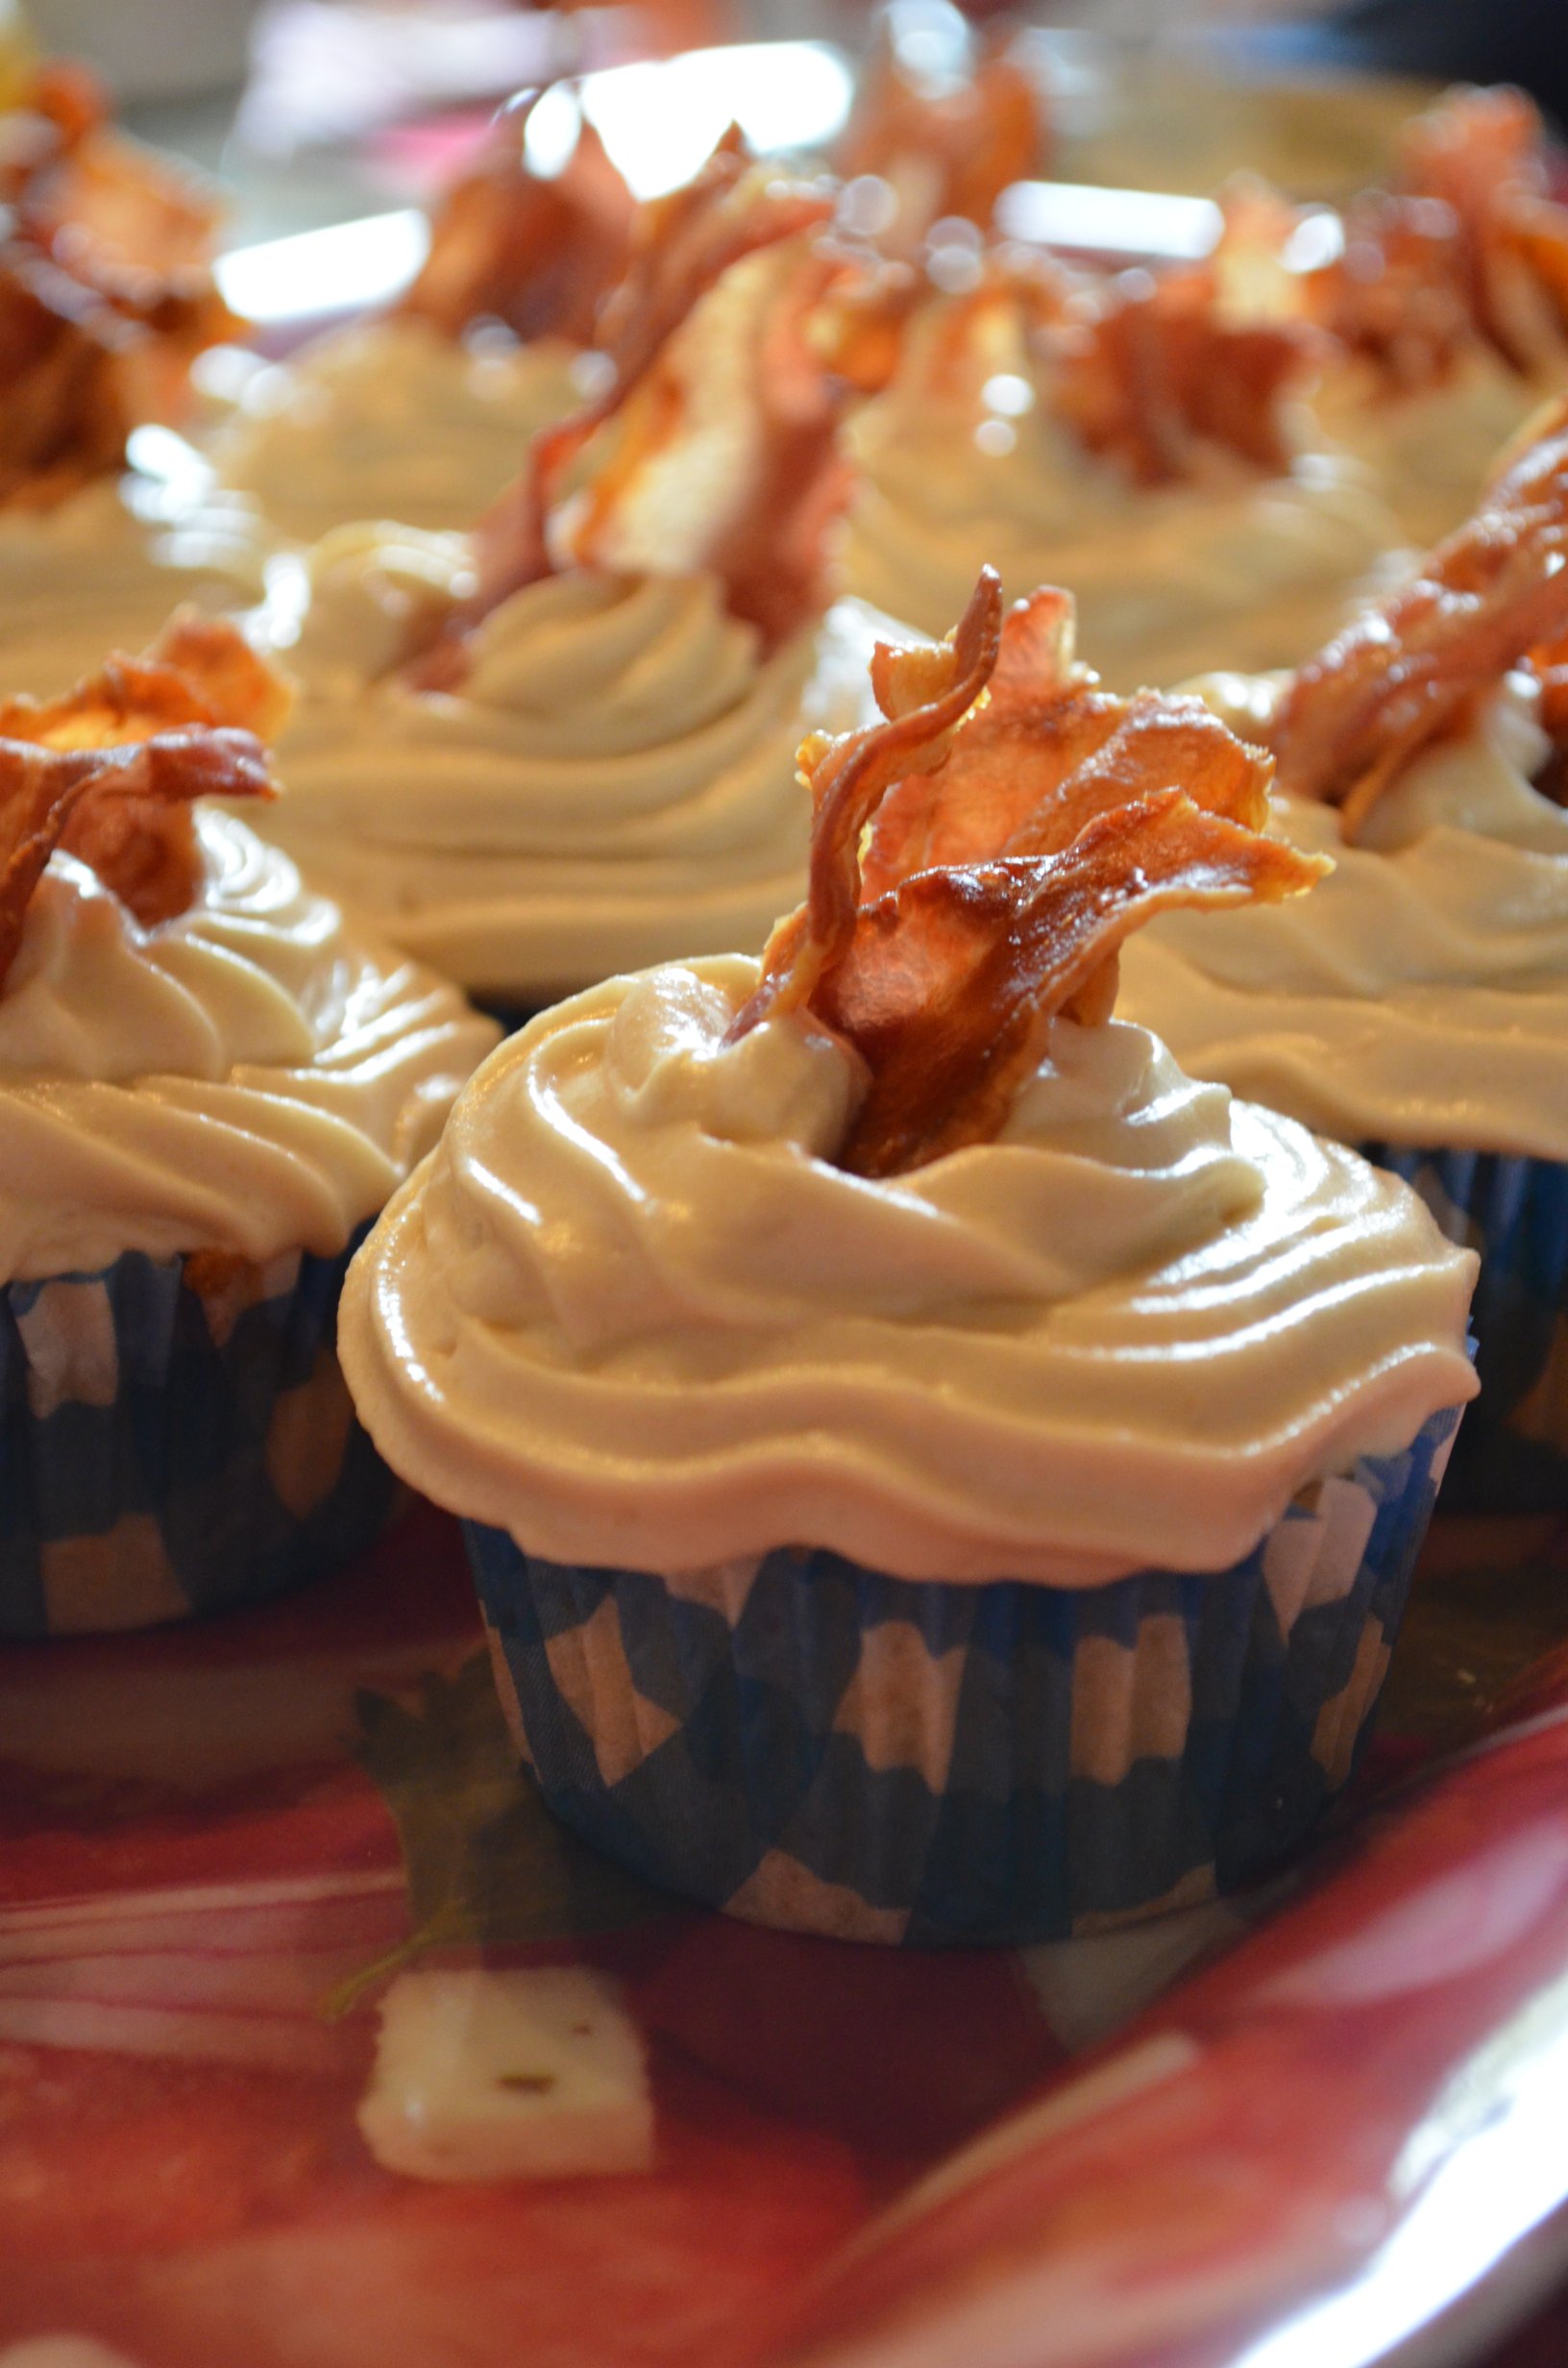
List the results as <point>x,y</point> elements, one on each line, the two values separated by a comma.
<point>1493,2142</point>
<point>660,120</point>
<point>341,268</point>
<point>1066,213</point>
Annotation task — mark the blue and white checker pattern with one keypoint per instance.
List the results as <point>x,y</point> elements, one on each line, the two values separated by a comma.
<point>164,1451</point>
<point>807,1743</point>
<point>1513,1455</point>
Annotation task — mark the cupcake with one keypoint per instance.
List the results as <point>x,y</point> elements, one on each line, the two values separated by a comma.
<point>420,414</point>
<point>1448,307</point>
<point>1126,437</point>
<point>105,297</point>
<point>566,745</point>
<point>1419,1004</point>
<point>210,1080</point>
<point>933,1472</point>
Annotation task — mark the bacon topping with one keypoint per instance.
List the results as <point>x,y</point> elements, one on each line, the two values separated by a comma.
<point>1015,842</point>
<point>537,253</point>
<point>1467,246</point>
<point>723,453</point>
<point>109,772</point>
<point>947,147</point>
<point>106,292</point>
<point>1151,375</point>
<point>1412,670</point>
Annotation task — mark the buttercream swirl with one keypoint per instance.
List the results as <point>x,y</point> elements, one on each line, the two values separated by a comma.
<point>1429,452</point>
<point>1420,994</point>
<point>254,1076</point>
<point>630,1312</point>
<point>615,779</point>
<point>1169,580</point>
<point>104,569</point>
<point>390,419</point>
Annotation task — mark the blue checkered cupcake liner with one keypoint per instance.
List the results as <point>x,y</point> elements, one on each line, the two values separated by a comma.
<point>1513,1455</point>
<point>168,1450</point>
<point>805,1742</point>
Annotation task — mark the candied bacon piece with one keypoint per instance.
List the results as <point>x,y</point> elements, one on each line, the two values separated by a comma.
<point>201,670</point>
<point>924,693</point>
<point>1468,245</point>
<point>1150,375</point>
<point>65,407</point>
<point>1016,838</point>
<point>1410,670</point>
<point>952,980</point>
<point>109,772</point>
<point>684,245</point>
<point>945,147</point>
<point>1049,752</point>
<point>1478,152</point>
<point>124,810</point>
<point>535,252</point>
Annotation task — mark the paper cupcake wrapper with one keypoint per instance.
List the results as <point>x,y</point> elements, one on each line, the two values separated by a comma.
<point>166,1450</point>
<point>808,1743</point>
<point>1512,1456</point>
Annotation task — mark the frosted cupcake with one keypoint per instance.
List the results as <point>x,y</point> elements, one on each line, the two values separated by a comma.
<point>105,297</point>
<point>210,1079</point>
<point>933,1472</point>
<point>1127,439</point>
<point>567,746</point>
<point>421,413</point>
<point>1418,1005</point>
<point>1448,305</point>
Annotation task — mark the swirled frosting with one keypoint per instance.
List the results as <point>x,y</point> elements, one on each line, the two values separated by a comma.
<point>1169,580</point>
<point>1429,452</point>
<point>1420,994</point>
<point>614,781</point>
<point>629,1311</point>
<point>390,420</point>
<point>103,570</point>
<point>254,1076</point>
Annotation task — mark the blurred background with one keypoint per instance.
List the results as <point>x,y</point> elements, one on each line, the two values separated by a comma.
<point>320,111</point>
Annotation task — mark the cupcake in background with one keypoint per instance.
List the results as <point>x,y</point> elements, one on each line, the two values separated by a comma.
<point>566,745</point>
<point>1419,1004</point>
<point>106,299</point>
<point>1129,437</point>
<point>419,413</point>
<point>210,1080</point>
<point>933,1472</point>
<point>1447,303</point>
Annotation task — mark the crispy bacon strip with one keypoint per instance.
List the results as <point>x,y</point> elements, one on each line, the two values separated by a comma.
<point>508,244</point>
<point>924,693</point>
<point>125,811</point>
<point>1047,752</point>
<point>946,148</point>
<point>109,772</point>
<point>106,292</point>
<point>1467,246</point>
<point>952,980</point>
<point>1410,671</point>
<point>684,246</point>
<point>1150,375</point>
<point>1014,840</point>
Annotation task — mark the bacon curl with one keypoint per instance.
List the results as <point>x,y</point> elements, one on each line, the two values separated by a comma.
<point>538,254</point>
<point>109,772</point>
<point>1016,823</point>
<point>1410,671</point>
<point>948,148</point>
